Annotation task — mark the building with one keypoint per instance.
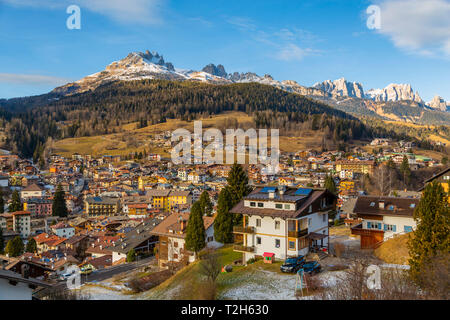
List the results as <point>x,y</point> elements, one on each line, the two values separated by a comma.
<point>141,239</point>
<point>283,221</point>
<point>355,166</point>
<point>19,286</point>
<point>63,230</point>
<point>38,206</point>
<point>172,232</point>
<point>169,199</point>
<point>382,218</point>
<point>18,222</point>
<point>101,206</point>
<point>443,177</point>
<point>32,191</point>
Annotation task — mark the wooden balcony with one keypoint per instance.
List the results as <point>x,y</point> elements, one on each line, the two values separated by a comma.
<point>298,234</point>
<point>358,230</point>
<point>241,248</point>
<point>243,229</point>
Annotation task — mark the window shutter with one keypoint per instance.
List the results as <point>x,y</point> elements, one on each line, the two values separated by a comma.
<point>369,225</point>
<point>385,227</point>
<point>394,228</point>
<point>379,226</point>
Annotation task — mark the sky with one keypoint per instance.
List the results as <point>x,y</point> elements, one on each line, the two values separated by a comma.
<point>309,41</point>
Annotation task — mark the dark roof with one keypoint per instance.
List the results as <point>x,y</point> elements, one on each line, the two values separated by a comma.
<point>436,176</point>
<point>393,206</point>
<point>13,276</point>
<point>305,202</point>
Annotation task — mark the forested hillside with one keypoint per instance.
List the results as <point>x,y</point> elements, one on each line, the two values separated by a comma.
<point>108,107</point>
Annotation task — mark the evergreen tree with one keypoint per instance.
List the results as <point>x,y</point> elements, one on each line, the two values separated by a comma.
<point>2,202</point>
<point>238,187</point>
<point>14,248</point>
<point>31,246</point>
<point>59,207</point>
<point>206,204</point>
<point>16,204</point>
<point>131,255</point>
<point>223,223</point>
<point>330,185</point>
<point>432,236</point>
<point>2,243</point>
<point>195,231</point>
<point>405,170</point>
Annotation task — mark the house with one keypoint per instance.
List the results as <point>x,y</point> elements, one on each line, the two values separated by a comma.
<point>172,231</point>
<point>38,206</point>
<point>443,177</point>
<point>355,166</point>
<point>98,263</point>
<point>19,286</point>
<point>382,218</point>
<point>283,221</point>
<point>46,242</point>
<point>141,239</point>
<point>63,230</point>
<point>32,191</point>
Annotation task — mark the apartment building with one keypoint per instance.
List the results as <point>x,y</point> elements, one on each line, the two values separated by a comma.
<point>283,221</point>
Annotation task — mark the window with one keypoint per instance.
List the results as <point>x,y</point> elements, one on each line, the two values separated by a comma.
<point>291,245</point>
<point>287,206</point>
<point>391,207</point>
<point>258,240</point>
<point>324,217</point>
<point>310,209</point>
<point>252,204</point>
<point>277,243</point>
<point>258,222</point>
<point>372,204</point>
<point>277,225</point>
<point>412,205</point>
<point>260,205</point>
<point>408,229</point>
<point>175,244</point>
<point>279,206</point>
<point>390,227</point>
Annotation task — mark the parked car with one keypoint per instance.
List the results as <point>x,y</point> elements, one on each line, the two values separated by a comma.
<point>292,265</point>
<point>86,270</point>
<point>312,267</point>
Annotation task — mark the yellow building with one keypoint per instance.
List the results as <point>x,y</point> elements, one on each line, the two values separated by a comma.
<point>364,167</point>
<point>169,199</point>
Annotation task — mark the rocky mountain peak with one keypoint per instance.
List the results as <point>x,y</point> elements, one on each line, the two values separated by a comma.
<point>341,87</point>
<point>218,70</point>
<point>438,103</point>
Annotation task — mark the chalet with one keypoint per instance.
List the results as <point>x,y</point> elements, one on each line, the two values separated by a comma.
<point>172,231</point>
<point>141,239</point>
<point>32,191</point>
<point>283,221</point>
<point>382,218</point>
<point>19,286</point>
<point>63,230</point>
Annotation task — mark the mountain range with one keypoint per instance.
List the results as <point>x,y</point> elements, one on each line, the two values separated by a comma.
<point>394,102</point>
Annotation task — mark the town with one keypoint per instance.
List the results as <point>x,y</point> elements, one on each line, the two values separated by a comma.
<point>134,223</point>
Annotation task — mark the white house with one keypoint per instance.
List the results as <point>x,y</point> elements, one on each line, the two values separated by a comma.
<point>32,191</point>
<point>382,218</point>
<point>286,222</point>
<point>15,286</point>
<point>63,230</point>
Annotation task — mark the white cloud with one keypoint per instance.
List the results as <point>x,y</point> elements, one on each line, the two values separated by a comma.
<point>419,26</point>
<point>125,11</point>
<point>31,79</point>
<point>293,52</point>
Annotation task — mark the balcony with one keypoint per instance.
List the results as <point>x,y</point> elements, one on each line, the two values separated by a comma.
<point>298,234</point>
<point>241,248</point>
<point>243,230</point>
<point>360,231</point>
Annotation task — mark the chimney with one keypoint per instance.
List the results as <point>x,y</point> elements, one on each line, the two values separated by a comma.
<point>381,204</point>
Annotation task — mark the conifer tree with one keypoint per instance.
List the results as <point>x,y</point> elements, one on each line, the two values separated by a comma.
<point>238,187</point>
<point>405,170</point>
<point>432,236</point>
<point>59,207</point>
<point>16,204</point>
<point>2,241</point>
<point>2,203</point>
<point>206,204</point>
<point>330,185</point>
<point>223,223</point>
<point>14,248</point>
<point>31,246</point>
<point>195,231</point>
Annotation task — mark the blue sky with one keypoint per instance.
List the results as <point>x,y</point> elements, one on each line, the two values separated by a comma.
<point>304,40</point>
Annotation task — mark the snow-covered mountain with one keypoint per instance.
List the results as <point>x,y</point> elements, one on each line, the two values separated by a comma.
<point>343,94</point>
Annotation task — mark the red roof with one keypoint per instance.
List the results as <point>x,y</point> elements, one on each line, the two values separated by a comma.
<point>268,254</point>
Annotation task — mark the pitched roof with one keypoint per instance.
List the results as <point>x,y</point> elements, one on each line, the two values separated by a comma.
<point>33,187</point>
<point>393,206</point>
